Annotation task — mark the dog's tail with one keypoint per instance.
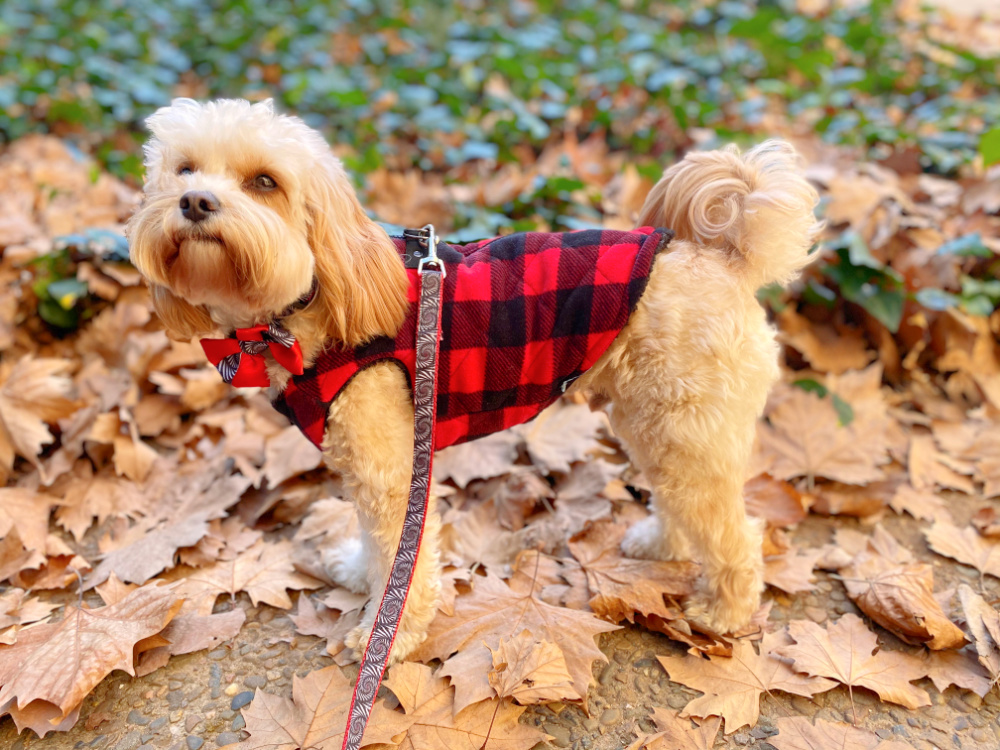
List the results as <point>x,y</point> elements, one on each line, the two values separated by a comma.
<point>757,207</point>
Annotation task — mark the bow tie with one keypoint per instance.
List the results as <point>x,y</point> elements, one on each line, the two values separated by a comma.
<point>240,358</point>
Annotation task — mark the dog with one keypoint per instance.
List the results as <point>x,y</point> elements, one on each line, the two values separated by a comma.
<point>245,207</point>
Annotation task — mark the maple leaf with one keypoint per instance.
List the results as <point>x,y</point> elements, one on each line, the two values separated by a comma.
<point>514,495</point>
<point>562,435</point>
<point>824,347</point>
<point>87,497</point>
<point>960,668</point>
<point>493,610</point>
<point>966,546</point>
<point>919,504</point>
<point>188,633</point>
<point>984,624</point>
<point>321,622</point>
<point>845,652</point>
<point>900,598</point>
<point>807,440</point>
<point>799,733</point>
<point>529,670</point>
<point>929,468</point>
<point>986,522</point>
<point>28,512</point>
<point>289,454</point>
<point>793,571</point>
<point>777,502</point>
<point>733,685</point>
<point>264,572</point>
<point>152,551</point>
<point>59,664</point>
<point>491,456</point>
<point>34,391</point>
<point>315,716</point>
<point>427,700</point>
<point>677,732</point>
<point>621,586</point>
<point>469,671</point>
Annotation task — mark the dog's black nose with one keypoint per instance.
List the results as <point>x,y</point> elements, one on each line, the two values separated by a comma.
<point>197,205</point>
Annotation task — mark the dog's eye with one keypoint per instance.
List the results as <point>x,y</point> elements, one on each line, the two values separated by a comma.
<point>185,170</point>
<point>264,182</point>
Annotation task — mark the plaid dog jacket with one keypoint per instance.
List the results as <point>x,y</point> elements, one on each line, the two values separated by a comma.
<point>523,316</point>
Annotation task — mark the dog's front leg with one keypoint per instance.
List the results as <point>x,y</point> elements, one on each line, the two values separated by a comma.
<point>370,443</point>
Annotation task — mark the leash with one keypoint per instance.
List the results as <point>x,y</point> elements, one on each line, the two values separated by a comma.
<point>390,609</point>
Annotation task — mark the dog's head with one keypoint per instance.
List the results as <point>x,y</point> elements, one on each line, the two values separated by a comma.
<point>243,208</point>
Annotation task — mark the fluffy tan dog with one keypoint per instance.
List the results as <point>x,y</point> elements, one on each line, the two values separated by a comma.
<point>244,207</point>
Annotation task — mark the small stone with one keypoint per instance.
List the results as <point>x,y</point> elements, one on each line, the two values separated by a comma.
<point>961,723</point>
<point>194,742</point>
<point>255,681</point>
<point>191,721</point>
<point>884,733</point>
<point>973,700</point>
<point>611,717</point>
<point>130,741</point>
<point>273,675</point>
<point>157,724</point>
<point>219,653</point>
<point>621,656</point>
<point>913,722</point>
<point>226,714</point>
<point>560,734</point>
<point>232,689</point>
<point>134,717</point>
<point>175,698</point>
<point>227,738</point>
<point>176,716</point>
<point>241,700</point>
<point>759,733</point>
<point>590,724</point>
<point>899,729</point>
<point>147,738</point>
<point>741,738</point>
<point>677,701</point>
<point>816,614</point>
<point>215,680</point>
<point>980,735</point>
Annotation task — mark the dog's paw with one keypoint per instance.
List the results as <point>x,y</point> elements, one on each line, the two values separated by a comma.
<point>347,565</point>
<point>649,540</point>
<point>721,616</point>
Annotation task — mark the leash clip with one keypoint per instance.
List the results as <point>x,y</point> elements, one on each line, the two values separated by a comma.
<point>426,237</point>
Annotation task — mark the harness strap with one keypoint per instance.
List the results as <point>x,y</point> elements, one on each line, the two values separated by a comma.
<point>390,610</point>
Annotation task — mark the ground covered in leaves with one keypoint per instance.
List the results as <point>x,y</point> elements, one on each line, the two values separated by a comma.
<point>161,535</point>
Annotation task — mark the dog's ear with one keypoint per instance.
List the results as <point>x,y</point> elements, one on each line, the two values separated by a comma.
<point>362,282</point>
<point>181,319</point>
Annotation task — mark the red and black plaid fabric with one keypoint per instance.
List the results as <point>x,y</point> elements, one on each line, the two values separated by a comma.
<point>523,316</point>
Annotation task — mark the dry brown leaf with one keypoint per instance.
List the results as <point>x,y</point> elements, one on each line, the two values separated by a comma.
<point>845,651</point>
<point>621,586</point>
<point>530,671</point>
<point>491,456</point>
<point>514,495</point>
<point>733,686</point>
<point>966,546</point>
<point>88,497</point>
<point>562,435</point>
<point>322,622</point>
<point>923,505</point>
<point>984,624</point>
<point>469,671</point>
<point>929,468</point>
<point>799,733</point>
<point>264,572</point>
<point>792,572</point>
<point>59,664</point>
<point>28,512</point>
<point>987,522</point>
<point>493,609</point>
<point>34,391</point>
<point>959,668</point>
<point>427,700</point>
<point>901,599</point>
<point>674,732</point>
<point>807,441</point>
<point>150,551</point>
<point>315,716</point>
<point>777,502</point>
<point>823,346</point>
<point>289,454</point>
<point>188,633</point>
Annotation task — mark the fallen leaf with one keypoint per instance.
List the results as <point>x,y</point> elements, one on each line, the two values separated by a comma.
<point>799,733</point>
<point>491,456</point>
<point>151,553</point>
<point>188,633</point>
<point>493,610</point>
<point>959,668</point>
<point>427,701</point>
<point>966,546</point>
<point>621,586</point>
<point>674,732</point>
<point>776,501</point>
<point>733,686</point>
<point>322,622</point>
<point>530,671</point>
<point>845,651</point>
<point>562,435</point>
<point>923,505</point>
<point>59,664</point>
<point>289,454</point>
<point>984,625</point>
<point>315,716</point>
<point>792,572</point>
<point>929,468</point>
<point>900,598</point>
<point>987,522</point>
<point>28,512</point>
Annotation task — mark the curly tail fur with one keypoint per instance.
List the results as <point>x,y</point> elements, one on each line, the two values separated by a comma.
<point>756,206</point>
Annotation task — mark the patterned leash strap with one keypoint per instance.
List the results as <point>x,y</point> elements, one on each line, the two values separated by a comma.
<point>390,610</point>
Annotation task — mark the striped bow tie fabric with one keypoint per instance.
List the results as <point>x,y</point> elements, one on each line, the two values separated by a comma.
<point>240,358</point>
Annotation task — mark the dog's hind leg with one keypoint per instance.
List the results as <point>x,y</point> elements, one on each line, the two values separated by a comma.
<point>370,443</point>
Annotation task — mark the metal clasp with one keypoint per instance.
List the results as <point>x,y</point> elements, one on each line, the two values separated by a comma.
<point>427,237</point>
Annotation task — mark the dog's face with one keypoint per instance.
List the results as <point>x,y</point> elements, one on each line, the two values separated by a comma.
<point>243,207</point>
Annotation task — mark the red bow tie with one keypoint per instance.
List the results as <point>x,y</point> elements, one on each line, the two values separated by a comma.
<point>240,358</point>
